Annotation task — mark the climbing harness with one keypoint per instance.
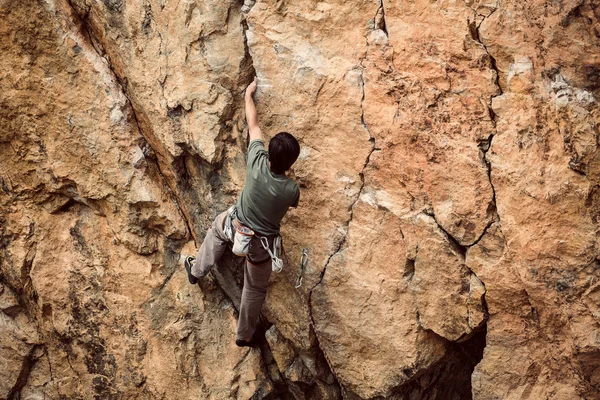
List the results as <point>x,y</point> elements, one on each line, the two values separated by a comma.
<point>241,236</point>
<point>303,262</point>
<point>277,263</point>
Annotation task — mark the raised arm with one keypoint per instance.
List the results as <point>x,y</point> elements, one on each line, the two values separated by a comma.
<point>251,115</point>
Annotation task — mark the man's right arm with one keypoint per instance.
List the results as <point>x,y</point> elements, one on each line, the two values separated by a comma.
<point>251,115</point>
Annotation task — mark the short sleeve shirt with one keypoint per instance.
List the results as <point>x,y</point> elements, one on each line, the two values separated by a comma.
<point>266,196</point>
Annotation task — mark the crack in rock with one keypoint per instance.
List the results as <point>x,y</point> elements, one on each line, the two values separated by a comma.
<point>455,244</point>
<point>486,145</point>
<point>461,252</point>
<point>347,226</point>
<point>57,387</point>
<point>360,190</point>
<point>26,367</point>
<point>361,174</point>
<point>379,19</point>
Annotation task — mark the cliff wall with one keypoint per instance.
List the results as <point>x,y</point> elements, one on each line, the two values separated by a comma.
<point>450,198</point>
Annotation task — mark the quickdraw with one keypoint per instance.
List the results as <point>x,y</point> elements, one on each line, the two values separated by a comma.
<point>303,262</point>
<point>308,305</point>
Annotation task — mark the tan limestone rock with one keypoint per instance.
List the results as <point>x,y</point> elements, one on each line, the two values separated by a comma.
<point>355,297</point>
<point>92,237</point>
<point>450,198</point>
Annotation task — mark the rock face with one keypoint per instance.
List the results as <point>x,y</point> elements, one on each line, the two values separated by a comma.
<point>450,198</point>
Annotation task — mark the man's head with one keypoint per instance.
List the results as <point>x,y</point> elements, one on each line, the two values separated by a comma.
<point>283,152</point>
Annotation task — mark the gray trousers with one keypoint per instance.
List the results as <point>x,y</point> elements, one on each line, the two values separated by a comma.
<point>256,276</point>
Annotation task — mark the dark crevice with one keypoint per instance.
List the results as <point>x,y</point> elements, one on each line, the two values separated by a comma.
<point>487,226</point>
<point>449,378</point>
<point>26,367</point>
<point>66,350</point>
<point>475,340</point>
<point>51,381</point>
<point>409,269</point>
<point>486,144</point>
<point>27,304</point>
<point>573,15</point>
<point>70,203</point>
<point>462,252</point>
<point>247,63</point>
<point>309,303</point>
<point>456,246</point>
<point>175,112</point>
<point>318,341</point>
<point>170,190</point>
<point>492,211</point>
<point>4,186</point>
<point>282,390</point>
<point>26,295</point>
<point>484,147</point>
<point>379,20</point>
<point>484,306</point>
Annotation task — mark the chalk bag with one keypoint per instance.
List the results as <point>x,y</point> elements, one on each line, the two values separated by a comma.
<point>241,240</point>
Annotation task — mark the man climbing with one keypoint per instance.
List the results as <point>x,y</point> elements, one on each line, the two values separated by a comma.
<point>267,195</point>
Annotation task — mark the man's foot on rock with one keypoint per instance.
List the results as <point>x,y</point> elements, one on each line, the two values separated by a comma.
<point>187,263</point>
<point>245,343</point>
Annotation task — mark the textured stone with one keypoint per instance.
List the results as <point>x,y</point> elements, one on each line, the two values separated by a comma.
<point>450,198</point>
<point>365,311</point>
<point>183,66</point>
<point>19,343</point>
<point>91,237</point>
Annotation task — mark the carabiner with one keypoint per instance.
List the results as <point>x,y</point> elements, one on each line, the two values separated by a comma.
<point>303,262</point>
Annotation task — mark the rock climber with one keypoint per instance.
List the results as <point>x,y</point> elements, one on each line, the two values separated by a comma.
<point>267,195</point>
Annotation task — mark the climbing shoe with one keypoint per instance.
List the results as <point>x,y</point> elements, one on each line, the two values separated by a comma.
<point>244,343</point>
<point>188,262</point>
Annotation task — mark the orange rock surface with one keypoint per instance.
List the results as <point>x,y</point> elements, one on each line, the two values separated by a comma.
<point>450,198</point>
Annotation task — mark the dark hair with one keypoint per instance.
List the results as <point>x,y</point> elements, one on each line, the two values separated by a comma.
<point>283,152</point>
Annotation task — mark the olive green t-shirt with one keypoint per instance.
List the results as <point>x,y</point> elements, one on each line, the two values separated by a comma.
<point>266,196</point>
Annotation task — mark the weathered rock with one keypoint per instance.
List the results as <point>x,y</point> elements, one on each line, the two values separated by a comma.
<point>183,66</point>
<point>450,198</point>
<point>539,261</point>
<point>365,311</point>
<point>91,237</point>
<point>19,346</point>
